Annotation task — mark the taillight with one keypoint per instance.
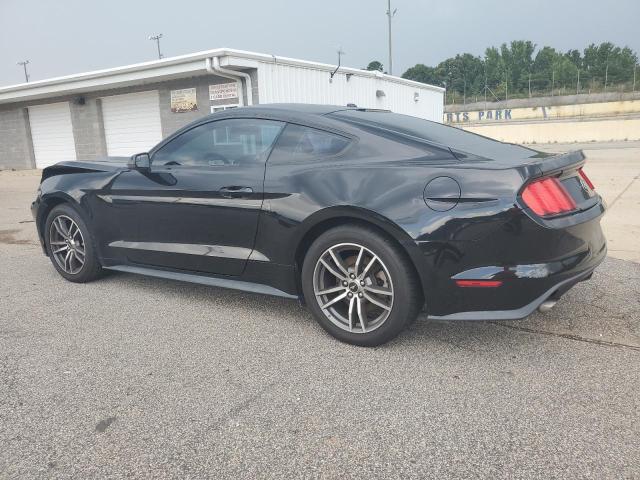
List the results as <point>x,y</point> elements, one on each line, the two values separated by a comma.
<point>586,179</point>
<point>548,197</point>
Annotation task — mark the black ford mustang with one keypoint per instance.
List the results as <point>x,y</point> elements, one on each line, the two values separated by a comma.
<point>368,216</point>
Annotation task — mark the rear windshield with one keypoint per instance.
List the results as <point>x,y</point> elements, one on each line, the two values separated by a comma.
<point>452,137</point>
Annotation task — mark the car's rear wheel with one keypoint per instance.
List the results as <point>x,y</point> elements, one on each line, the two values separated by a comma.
<point>70,245</point>
<point>359,285</point>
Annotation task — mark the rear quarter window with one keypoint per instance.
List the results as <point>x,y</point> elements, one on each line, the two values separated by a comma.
<point>303,144</point>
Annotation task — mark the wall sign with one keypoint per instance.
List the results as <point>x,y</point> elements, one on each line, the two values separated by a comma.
<point>505,114</point>
<point>184,100</point>
<point>458,117</point>
<point>223,91</point>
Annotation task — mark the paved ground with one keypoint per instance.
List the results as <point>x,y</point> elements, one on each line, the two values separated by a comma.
<point>131,376</point>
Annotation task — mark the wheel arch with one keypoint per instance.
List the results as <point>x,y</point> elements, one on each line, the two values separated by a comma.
<point>338,216</point>
<point>49,202</point>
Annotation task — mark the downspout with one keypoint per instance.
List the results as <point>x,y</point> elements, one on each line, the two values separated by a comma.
<point>211,69</point>
<point>213,66</point>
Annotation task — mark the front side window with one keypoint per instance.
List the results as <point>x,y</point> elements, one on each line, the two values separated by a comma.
<point>224,142</point>
<point>299,144</point>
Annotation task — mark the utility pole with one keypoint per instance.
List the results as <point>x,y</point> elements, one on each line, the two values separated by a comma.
<point>157,39</point>
<point>485,83</point>
<point>606,75</point>
<point>634,76</point>
<point>553,80</point>
<point>506,87</point>
<point>578,83</point>
<point>390,14</point>
<point>529,84</point>
<point>464,99</point>
<point>24,66</point>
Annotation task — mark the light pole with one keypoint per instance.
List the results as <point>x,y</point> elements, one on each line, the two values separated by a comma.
<point>157,39</point>
<point>390,14</point>
<point>24,66</point>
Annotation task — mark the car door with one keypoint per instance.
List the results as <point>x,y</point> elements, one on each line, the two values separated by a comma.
<point>196,208</point>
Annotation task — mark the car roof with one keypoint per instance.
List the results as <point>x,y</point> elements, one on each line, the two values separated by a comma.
<point>309,108</point>
<point>284,111</point>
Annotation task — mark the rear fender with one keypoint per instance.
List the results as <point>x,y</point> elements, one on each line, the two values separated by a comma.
<point>344,214</point>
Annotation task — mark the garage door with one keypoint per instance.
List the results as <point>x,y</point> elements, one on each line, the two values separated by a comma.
<point>52,133</point>
<point>131,122</point>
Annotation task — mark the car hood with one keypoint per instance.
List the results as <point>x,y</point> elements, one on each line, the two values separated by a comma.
<point>103,164</point>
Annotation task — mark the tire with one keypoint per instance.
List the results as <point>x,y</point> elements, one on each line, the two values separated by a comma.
<point>65,250</point>
<point>388,291</point>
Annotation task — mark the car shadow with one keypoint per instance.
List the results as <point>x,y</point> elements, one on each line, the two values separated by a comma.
<point>583,313</point>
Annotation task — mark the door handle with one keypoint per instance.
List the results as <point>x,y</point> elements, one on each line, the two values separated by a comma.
<point>235,191</point>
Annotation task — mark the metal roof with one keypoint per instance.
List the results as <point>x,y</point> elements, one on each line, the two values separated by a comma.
<point>170,68</point>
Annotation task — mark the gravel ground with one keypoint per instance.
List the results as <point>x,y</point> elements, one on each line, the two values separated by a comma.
<point>140,377</point>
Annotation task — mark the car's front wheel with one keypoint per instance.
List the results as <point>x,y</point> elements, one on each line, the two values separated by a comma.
<point>70,245</point>
<point>360,286</point>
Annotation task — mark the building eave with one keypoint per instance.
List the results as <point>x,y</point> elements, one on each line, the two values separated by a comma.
<point>166,69</point>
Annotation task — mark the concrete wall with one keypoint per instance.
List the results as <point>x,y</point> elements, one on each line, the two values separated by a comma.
<point>16,146</point>
<point>546,101</point>
<point>565,131</point>
<point>16,150</point>
<point>615,117</point>
<point>548,112</point>
<point>88,129</point>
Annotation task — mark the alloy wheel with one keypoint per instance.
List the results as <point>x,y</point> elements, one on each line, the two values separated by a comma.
<point>67,244</point>
<point>353,287</point>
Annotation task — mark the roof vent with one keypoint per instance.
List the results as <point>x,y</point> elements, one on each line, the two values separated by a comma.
<point>380,93</point>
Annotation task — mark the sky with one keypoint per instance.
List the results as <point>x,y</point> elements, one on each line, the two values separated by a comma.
<point>61,37</point>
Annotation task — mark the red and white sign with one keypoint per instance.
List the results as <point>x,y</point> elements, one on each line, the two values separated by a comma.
<point>223,91</point>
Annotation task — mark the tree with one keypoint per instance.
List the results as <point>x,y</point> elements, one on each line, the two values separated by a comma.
<point>511,65</point>
<point>424,74</point>
<point>374,65</point>
<point>543,68</point>
<point>517,59</point>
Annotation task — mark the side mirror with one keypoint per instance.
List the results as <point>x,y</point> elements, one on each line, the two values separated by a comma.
<point>141,161</point>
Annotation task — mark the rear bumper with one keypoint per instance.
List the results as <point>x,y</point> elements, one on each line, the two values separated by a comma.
<point>555,292</point>
<point>552,260</point>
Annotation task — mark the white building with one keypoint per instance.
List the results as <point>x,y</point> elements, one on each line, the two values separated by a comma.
<point>125,110</point>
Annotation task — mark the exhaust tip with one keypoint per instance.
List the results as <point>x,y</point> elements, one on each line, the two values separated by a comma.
<point>546,305</point>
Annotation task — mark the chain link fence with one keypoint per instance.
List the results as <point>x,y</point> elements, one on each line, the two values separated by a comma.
<point>539,86</point>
